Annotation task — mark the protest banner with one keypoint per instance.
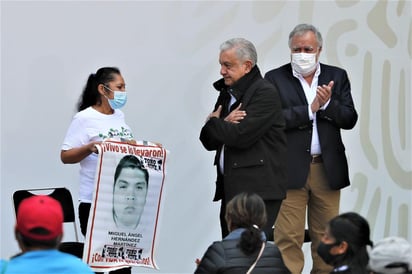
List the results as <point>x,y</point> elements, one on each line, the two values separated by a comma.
<point>125,208</point>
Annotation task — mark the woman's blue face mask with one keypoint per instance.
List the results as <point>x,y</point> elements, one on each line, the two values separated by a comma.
<point>119,98</point>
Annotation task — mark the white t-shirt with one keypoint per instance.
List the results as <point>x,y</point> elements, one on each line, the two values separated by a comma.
<point>87,126</point>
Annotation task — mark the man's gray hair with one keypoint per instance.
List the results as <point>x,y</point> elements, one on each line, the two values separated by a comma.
<point>302,29</point>
<point>245,50</point>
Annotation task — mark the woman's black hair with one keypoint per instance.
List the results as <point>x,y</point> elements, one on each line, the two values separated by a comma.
<point>90,95</point>
<point>247,210</point>
<point>354,230</point>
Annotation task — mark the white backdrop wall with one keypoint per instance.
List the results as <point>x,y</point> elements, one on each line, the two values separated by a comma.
<point>168,54</point>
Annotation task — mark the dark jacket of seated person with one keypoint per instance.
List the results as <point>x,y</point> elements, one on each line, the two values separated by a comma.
<point>238,251</point>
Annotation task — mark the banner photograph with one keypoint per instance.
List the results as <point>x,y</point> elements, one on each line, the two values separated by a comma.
<point>125,207</point>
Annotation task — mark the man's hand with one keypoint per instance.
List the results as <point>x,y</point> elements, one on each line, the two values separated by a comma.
<point>323,94</point>
<point>215,114</point>
<point>236,115</point>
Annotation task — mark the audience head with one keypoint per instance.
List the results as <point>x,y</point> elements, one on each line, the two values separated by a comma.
<point>39,223</point>
<point>391,255</point>
<point>345,240</point>
<point>247,210</point>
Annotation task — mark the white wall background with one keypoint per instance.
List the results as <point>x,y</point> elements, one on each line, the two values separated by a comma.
<point>168,54</point>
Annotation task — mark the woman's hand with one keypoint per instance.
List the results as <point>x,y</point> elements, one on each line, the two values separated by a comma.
<point>131,142</point>
<point>76,154</point>
<point>92,146</point>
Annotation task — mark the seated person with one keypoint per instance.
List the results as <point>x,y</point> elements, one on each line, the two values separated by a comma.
<point>344,243</point>
<point>39,231</point>
<point>391,255</point>
<point>245,248</point>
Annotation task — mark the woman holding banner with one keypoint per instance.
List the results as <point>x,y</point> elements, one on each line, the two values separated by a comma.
<point>99,118</point>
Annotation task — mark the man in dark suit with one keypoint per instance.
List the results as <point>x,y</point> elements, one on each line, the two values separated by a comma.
<point>246,129</point>
<point>317,103</point>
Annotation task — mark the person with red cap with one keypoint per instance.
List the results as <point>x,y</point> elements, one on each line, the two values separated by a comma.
<point>38,231</point>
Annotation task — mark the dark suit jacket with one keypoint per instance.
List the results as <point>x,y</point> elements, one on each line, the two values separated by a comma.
<point>255,149</point>
<point>339,114</point>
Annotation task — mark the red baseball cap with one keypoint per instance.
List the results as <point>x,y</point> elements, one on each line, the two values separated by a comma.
<point>40,211</point>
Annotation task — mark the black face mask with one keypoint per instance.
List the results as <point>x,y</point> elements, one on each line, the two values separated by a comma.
<point>327,257</point>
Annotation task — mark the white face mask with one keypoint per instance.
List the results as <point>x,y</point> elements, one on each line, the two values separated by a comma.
<point>303,63</point>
